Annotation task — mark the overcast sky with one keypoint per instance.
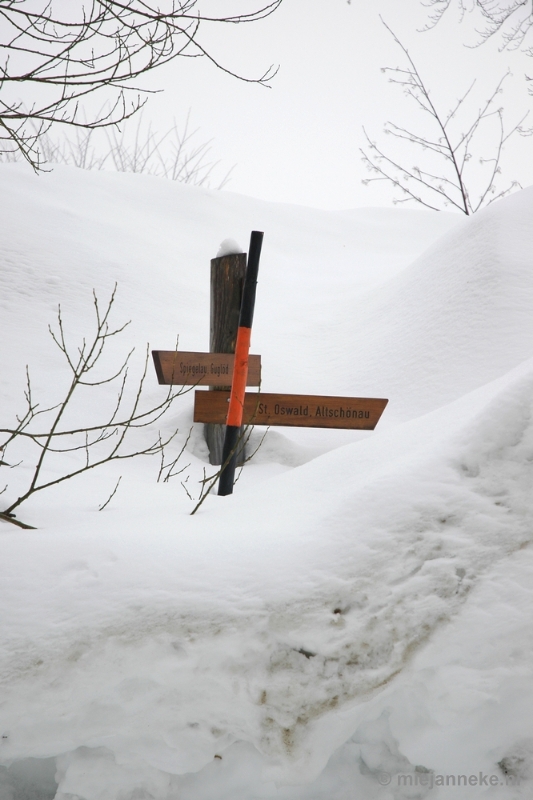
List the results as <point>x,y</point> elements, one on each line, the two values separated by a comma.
<point>299,141</point>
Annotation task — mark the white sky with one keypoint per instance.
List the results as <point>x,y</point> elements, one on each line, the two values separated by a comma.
<point>298,142</point>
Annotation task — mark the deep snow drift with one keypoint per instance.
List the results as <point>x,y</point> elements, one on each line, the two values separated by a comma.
<point>355,620</point>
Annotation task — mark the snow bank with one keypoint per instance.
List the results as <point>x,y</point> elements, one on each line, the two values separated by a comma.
<point>346,615</point>
<point>456,319</point>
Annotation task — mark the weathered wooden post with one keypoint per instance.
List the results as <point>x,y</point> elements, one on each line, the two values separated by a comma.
<point>227,280</point>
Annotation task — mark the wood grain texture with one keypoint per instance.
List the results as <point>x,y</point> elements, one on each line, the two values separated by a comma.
<point>227,281</point>
<point>295,410</point>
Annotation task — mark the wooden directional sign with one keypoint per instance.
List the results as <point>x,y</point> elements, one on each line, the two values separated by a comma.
<point>180,368</point>
<point>304,411</point>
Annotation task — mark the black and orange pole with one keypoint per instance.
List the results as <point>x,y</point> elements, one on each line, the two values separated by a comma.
<point>240,369</point>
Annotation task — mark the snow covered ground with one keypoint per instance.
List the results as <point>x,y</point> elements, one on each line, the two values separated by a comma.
<point>355,620</point>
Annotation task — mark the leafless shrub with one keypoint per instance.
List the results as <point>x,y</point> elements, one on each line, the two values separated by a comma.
<point>454,170</point>
<point>178,154</point>
<point>42,434</point>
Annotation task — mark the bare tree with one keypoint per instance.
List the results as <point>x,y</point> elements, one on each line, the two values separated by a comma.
<point>51,61</point>
<point>511,19</point>
<point>177,154</point>
<point>452,172</point>
<point>52,451</point>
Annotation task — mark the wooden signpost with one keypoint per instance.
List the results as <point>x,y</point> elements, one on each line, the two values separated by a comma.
<point>237,369</point>
<point>181,368</point>
<point>296,410</point>
<point>226,284</point>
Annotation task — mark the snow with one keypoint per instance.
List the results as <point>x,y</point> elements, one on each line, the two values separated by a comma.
<point>358,611</point>
<point>229,247</point>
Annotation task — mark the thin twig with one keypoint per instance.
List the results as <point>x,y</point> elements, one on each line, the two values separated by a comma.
<point>101,508</point>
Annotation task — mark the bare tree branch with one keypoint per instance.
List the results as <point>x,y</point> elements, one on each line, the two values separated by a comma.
<point>445,147</point>
<point>51,61</point>
<point>93,445</point>
<point>511,20</point>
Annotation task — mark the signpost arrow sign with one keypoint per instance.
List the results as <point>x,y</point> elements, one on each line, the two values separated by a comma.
<point>180,368</point>
<point>296,410</point>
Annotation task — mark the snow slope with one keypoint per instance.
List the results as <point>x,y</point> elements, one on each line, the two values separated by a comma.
<point>358,612</point>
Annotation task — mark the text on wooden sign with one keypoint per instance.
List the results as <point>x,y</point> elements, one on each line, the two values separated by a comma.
<point>180,368</point>
<point>304,411</point>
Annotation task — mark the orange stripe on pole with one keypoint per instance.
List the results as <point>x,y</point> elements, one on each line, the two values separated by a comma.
<point>240,375</point>
<point>240,369</point>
